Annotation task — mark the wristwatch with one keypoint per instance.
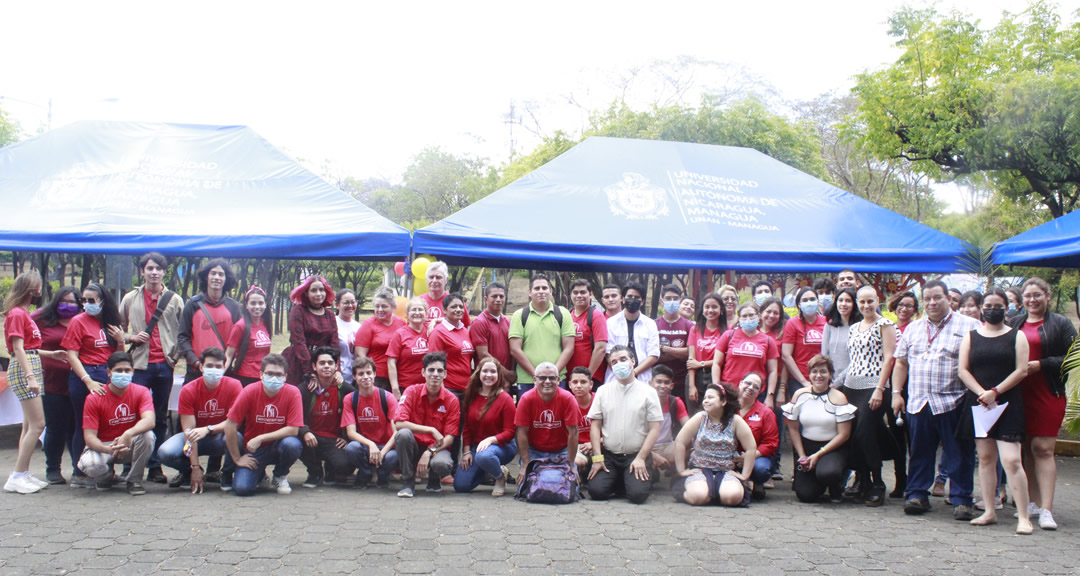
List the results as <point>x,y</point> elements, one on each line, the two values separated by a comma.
<point>209,428</point>
<point>433,450</point>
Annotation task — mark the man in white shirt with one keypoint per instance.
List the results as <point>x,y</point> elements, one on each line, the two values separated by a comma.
<point>636,331</point>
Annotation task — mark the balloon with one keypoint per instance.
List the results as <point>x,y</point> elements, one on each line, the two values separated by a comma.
<point>399,268</point>
<point>419,285</point>
<point>402,304</point>
<point>419,269</point>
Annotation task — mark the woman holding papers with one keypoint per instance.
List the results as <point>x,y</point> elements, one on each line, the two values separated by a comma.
<point>993,362</point>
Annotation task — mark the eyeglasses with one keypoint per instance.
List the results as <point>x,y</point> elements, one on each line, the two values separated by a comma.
<point>547,378</point>
<point>1034,296</point>
<point>88,300</point>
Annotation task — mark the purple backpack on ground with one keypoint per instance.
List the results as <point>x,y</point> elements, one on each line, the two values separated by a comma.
<point>548,481</point>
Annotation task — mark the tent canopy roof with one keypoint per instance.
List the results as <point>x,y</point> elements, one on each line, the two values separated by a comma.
<point>646,205</point>
<point>130,187</point>
<point>1055,244</point>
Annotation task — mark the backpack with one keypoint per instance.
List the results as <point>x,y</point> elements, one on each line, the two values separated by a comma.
<point>548,481</point>
<point>555,309</point>
<point>382,401</point>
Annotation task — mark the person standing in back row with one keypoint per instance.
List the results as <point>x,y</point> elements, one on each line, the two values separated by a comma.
<point>636,331</point>
<point>674,332</point>
<point>541,332</point>
<point>209,316</point>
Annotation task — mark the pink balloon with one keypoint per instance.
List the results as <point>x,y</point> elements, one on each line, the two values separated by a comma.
<point>399,268</point>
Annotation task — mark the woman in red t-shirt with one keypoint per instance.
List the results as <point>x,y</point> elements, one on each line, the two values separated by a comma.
<point>744,350</point>
<point>53,320</point>
<point>311,324</point>
<point>244,356</point>
<point>452,337</point>
<point>711,323</point>
<point>24,376</point>
<point>802,341</point>
<point>373,338</point>
<point>488,430</point>
<point>405,355</point>
<point>90,339</point>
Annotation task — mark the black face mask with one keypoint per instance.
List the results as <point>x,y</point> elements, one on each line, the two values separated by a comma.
<point>633,305</point>
<point>35,300</point>
<point>994,316</point>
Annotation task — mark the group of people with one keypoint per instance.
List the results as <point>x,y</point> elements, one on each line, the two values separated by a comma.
<point>615,397</point>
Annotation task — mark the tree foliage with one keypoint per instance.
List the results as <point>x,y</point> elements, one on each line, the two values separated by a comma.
<point>10,131</point>
<point>962,100</point>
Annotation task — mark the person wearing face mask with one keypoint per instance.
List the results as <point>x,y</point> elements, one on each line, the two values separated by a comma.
<point>802,341</point>
<point>993,363</point>
<point>590,332</point>
<point>745,350</point>
<point>437,276</point>
<point>249,340</point>
<point>23,339</point>
<point>209,316</point>
<point>271,414</point>
<point>311,324</point>
<point>762,291</point>
<point>636,331</point>
<point>407,349</point>
<point>1016,302</point>
<point>152,314</point>
<point>541,332</point>
<point>373,338</point>
<point>204,403</point>
<point>626,419</point>
<point>53,320</point>
<point>834,340</point>
<point>488,432</point>
<point>90,338</point>
<point>674,331</point>
<point>324,403</point>
<point>118,426</point>
<point>367,419</point>
<point>826,291</point>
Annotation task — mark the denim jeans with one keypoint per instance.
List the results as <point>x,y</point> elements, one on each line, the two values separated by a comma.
<point>59,427</point>
<point>927,430</point>
<point>281,453</point>
<point>171,452</point>
<point>78,392</point>
<point>762,470</point>
<point>486,463</point>
<point>359,456</point>
<point>158,378</point>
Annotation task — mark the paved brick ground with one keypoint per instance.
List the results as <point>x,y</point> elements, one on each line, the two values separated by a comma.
<point>336,530</point>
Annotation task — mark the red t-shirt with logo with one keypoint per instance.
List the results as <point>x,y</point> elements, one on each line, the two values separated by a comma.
<point>435,309</point>
<point>260,414</point>
<point>202,335</point>
<point>547,421</point>
<point>369,419</point>
<point>582,347</point>
<point>259,343</point>
<point>85,335</point>
<point>677,335</point>
<point>376,336</point>
<point>444,414</point>
<point>206,405</point>
<point>407,348</point>
<point>744,354</point>
<point>705,345</point>
<point>150,302</point>
<point>18,323</point>
<point>112,415</point>
<point>585,425</point>
<point>324,419</point>
<point>807,340</point>
<point>459,353</point>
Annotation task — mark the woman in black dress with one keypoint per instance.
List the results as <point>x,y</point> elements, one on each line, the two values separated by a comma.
<point>993,362</point>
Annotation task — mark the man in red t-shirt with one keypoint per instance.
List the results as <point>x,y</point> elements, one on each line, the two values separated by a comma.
<point>118,426</point>
<point>368,420</point>
<point>674,331</point>
<point>427,419</point>
<point>547,419</point>
<point>204,403</point>
<point>490,334</point>
<point>590,332</point>
<point>271,413</point>
<point>321,432</point>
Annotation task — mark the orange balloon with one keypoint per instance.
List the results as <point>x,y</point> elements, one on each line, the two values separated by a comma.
<point>401,304</point>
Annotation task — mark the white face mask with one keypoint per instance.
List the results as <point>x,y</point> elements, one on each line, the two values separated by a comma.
<point>213,375</point>
<point>622,370</point>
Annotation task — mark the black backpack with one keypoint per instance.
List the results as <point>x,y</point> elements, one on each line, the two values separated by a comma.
<point>382,401</point>
<point>557,310</point>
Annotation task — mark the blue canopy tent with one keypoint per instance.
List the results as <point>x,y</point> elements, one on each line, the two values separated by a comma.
<point>1055,244</point>
<point>128,187</point>
<point>646,205</point>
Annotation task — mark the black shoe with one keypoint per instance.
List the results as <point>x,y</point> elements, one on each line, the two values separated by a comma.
<point>855,490</point>
<point>758,493</point>
<point>105,483</point>
<point>156,476</point>
<point>916,506</point>
<point>212,478</point>
<point>55,477</point>
<point>136,489</point>
<point>875,496</point>
<point>312,481</point>
<point>179,481</point>
<point>963,512</point>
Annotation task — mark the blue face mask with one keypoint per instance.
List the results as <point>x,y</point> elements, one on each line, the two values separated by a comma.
<point>826,302</point>
<point>273,383</point>
<point>671,307</point>
<point>622,370</point>
<point>120,379</point>
<point>92,309</point>
<point>1012,308</point>
<point>212,375</point>
<point>809,308</point>
<point>760,299</point>
<point>749,325</point>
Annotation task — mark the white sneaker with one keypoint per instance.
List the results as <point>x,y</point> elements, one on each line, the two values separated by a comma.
<point>282,485</point>
<point>38,481</point>
<point>1046,520</point>
<point>20,485</point>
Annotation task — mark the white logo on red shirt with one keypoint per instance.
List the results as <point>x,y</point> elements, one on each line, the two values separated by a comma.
<point>122,415</point>
<point>754,417</point>
<point>211,409</point>
<point>262,339</point>
<point>101,341</point>
<point>434,313</point>
<point>466,346</point>
<point>322,408</point>
<point>270,416</point>
<point>547,421</point>
<point>442,409</point>
<point>368,415</point>
<point>579,334</point>
<point>813,336</point>
<point>420,346</point>
<point>748,349</point>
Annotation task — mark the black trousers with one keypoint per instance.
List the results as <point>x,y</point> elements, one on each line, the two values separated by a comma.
<point>337,461</point>
<point>865,447</point>
<point>826,475</point>
<point>604,485</point>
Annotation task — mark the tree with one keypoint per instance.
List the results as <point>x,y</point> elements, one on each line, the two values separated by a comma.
<point>963,100</point>
<point>10,131</point>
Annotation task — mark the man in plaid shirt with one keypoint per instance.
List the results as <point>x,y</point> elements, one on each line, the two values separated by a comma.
<point>927,360</point>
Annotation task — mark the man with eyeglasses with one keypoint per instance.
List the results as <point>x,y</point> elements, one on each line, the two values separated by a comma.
<point>427,422</point>
<point>927,360</point>
<point>636,331</point>
<point>271,413</point>
<point>547,419</point>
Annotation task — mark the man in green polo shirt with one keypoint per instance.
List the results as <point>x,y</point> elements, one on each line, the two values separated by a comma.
<point>540,332</point>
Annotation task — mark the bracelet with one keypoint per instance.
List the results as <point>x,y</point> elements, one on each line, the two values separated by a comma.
<point>880,388</point>
<point>194,466</point>
<point>996,392</point>
<point>598,458</point>
<point>898,392</point>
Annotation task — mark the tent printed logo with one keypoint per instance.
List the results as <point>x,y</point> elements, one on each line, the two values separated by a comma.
<point>270,416</point>
<point>635,198</point>
<point>211,409</point>
<point>262,339</point>
<point>121,415</point>
<point>748,349</point>
<point>547,421</point>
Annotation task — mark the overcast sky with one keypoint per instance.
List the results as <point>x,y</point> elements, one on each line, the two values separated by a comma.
<point>365,86</point>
